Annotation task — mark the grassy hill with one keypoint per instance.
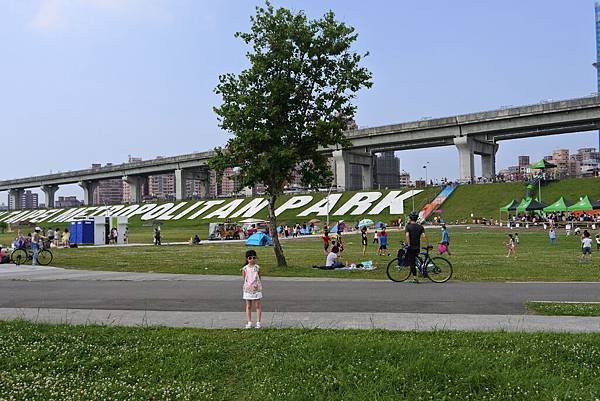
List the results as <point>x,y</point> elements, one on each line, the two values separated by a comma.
<point>484,200</point>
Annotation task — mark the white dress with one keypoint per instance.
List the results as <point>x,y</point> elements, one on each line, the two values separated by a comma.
<point>252,288</point>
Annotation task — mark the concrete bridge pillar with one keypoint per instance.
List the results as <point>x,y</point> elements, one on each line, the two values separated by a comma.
<point>353,170</point>
<point>88,191</point>
<point>204,178</point>
<point>135,183</point>
<point>466,166</point>
<point>49,192</point>
<point>468,147</point>
<point>16,198</point>
<point>181,177</point>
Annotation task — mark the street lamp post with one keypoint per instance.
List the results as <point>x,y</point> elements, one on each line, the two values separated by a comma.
<point>425,167</point>
<point>328,193</point>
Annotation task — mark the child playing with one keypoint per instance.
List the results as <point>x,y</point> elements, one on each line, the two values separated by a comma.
<point>597,242</point>
<point>375,237</point>
<point>252,289</point>
<point>516,239</point>
<point>383,241</point>
<point>510,245</point>
<point>586,246</point>
<point>326,241</point>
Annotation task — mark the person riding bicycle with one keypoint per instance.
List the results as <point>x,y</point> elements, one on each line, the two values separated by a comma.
<point>414,232</point>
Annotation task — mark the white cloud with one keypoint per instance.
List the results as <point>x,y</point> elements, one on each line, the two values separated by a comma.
<point>58,14</point>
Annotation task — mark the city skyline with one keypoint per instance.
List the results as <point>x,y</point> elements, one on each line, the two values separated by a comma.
<point>143,99</point>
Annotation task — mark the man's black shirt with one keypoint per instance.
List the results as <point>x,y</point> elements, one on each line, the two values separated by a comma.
<point>415,231</point>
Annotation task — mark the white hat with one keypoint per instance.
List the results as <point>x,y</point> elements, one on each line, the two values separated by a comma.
<point>38,229</point>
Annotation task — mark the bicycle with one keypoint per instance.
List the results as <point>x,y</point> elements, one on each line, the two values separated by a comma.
<point>436,269</point>
<point>22,255</point>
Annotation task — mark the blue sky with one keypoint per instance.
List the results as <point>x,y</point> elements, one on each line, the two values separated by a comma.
<point>85,81</point>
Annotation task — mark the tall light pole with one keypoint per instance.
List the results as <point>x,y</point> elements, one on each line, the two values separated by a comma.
<point>328,193</point>
<point>597,63</point>
<point>425,167</point>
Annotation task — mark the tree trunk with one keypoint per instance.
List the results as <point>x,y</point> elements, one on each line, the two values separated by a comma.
<point>273,228</point>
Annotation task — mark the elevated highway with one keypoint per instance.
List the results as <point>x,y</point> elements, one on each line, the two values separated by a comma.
<point>472,134</point>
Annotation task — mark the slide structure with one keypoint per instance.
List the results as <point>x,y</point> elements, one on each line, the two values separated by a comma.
<point>437,202</point>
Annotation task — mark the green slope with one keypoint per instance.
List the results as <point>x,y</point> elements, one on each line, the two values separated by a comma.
<point>484,200</point>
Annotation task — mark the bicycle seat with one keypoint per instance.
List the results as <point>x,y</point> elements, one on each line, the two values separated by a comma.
<point>428,247</point>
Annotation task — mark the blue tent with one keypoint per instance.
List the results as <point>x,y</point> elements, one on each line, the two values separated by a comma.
<point>380,224</point>
<point>259,239</point>
<point>334,229</point>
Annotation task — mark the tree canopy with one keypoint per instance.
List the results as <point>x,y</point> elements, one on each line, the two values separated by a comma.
<point>292,102</point>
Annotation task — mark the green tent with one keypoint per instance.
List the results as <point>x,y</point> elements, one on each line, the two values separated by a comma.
<point>583,204</point>
<point>512,205</point>
<point>542,165</point>
<point>530,204</point>
<point>560,205</point>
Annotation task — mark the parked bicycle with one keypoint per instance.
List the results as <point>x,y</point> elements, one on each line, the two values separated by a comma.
<point>22,255</point>
<point>437,269</point>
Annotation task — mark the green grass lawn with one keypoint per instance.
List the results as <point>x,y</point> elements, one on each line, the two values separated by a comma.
<point>564,309</point>
<point>45,362</point>
<point>477,255</point>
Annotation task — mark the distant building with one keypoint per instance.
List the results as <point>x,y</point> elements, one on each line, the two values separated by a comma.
<point>523,161</point>
<point>404,179</point>
<point>67,201</point>
<point>109,191</point>
<point>29,200</point>
<point>387,167</point>
<point>161,186</point>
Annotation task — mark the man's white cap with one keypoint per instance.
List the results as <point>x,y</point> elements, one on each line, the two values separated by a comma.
<point>38,229</point>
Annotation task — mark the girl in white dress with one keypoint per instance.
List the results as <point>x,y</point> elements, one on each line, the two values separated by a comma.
<point>252,289</point>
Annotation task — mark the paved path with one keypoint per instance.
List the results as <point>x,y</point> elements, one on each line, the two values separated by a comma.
<point>214,301</point>
<point>325,320</point>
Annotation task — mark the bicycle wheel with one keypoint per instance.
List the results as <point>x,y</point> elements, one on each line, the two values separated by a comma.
<point>397,273</point>
<point>19,256</point>
<point>439,270</point>
<point>44,257</point>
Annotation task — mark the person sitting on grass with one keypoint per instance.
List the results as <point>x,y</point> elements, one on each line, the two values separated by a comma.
<point>332,261</point>
<point>196,240</point>
<point>586,246</point>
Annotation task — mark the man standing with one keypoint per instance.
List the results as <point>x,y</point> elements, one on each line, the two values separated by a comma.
<point>414,232</point>
<point>36,238</point>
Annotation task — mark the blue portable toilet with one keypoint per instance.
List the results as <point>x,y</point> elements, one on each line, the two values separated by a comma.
<point>73,238</point>
<point>87,232</point>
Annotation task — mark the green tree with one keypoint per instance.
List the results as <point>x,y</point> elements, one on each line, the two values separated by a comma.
<point>292,102</point>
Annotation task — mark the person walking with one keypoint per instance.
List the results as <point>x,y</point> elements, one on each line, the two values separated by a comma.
<point>375,237</point>
<point>510,246</point>
<point>252,288</point>
<point>364,239</point>
<point>157,240</point>
<point>597,242</point>
<point>445,239</point>
<point>414,233</point>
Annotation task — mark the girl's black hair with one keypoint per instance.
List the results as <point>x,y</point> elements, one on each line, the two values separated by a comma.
<point>250,252</point>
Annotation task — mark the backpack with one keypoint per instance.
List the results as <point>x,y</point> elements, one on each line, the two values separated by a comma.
<point>401,257</point>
